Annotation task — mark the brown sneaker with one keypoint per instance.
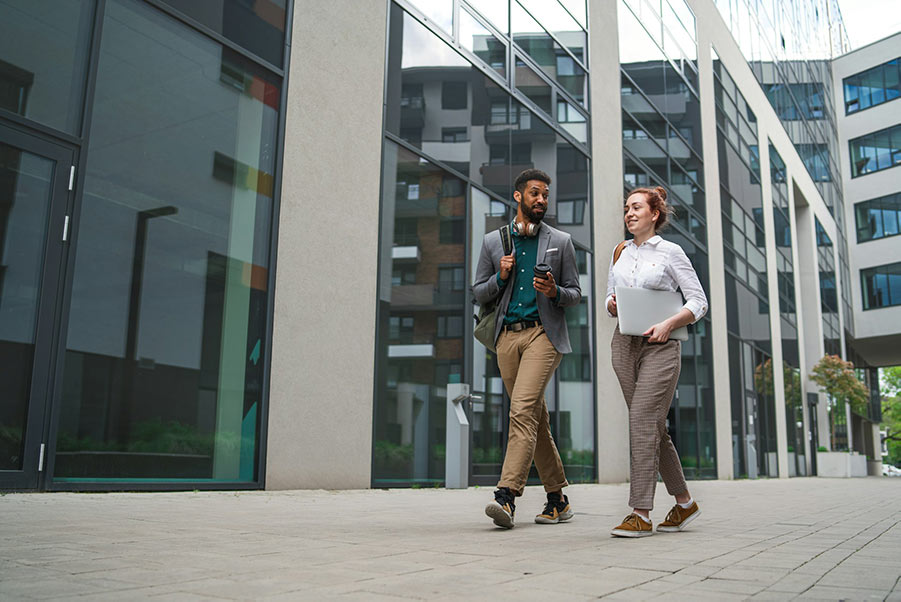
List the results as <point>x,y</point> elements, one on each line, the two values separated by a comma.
<point>678,517</point>
<point>633,526</point>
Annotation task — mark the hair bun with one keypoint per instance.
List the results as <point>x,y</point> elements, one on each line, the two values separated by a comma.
<point>661,191</point>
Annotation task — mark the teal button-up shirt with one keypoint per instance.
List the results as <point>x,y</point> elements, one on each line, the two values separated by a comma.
<point>523,301</point>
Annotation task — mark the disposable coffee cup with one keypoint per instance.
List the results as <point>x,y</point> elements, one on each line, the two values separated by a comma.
<point>541,270</point>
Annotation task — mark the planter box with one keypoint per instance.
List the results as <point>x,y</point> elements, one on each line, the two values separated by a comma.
<point>841,464</point>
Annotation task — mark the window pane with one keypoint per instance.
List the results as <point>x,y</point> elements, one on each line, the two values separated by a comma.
<point>410,405</point>
<point>43,51</point>
<point>26,189</point>
<point>255,26</point>
<point>482,43</point>
<point>555,19</point>
<point>423,71</point>
<point>530,83</point>
<point>572,121</point>
<point>549,55</point>
<point>163,372</point>
<point>494,11</point>
<point>577,9</point>
<point>892,87</point>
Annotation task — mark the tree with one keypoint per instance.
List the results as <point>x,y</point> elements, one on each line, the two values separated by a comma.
<point>764,384</point>
<point>890,381</point>
<point>836,378</point>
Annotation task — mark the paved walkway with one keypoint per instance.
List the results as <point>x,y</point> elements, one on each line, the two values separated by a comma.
<point>769,539</point>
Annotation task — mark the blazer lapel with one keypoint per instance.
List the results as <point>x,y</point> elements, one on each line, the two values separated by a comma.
<point>544,237</point>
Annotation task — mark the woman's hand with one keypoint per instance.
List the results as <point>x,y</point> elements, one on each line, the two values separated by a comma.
<point>611,305</point>
<point>659,333</point>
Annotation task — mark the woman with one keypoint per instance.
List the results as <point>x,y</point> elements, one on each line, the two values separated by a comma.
<point>648,366</point>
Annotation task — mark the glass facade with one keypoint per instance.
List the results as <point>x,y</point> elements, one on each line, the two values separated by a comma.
<point>747,292</point>
<point>162,353</point>
<point>662,147</point>
<point>464,115</point>
<point>791,361</point>
<point>881,286</point>
<point>875,152</point>
<point>44,59</point>
<point>788,45</point>
<point>872,87</point>
<point>828,294</point>
<point>878,218</point>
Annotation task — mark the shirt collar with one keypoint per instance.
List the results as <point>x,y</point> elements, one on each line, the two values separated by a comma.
<point>653,241</point>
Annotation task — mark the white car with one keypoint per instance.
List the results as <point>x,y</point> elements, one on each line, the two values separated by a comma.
<point>890,471</point>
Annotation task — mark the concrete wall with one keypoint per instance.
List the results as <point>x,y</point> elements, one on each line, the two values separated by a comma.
<point>607,209</point>
<point>323,350</point>
<point>881,324</point>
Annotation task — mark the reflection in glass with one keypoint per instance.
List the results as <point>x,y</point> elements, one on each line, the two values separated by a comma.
<point>547,54</point>
<point>43,54</point>
<point>878,218</point>
<point>872,87</point>
<point>577,9</point>
<point>530,83</point>
<point>489,415</point>
<point>493,10</point>
<point>572,120</point>
<point>555,19</point>
<point>163,368</point>
<point>25,189</point>
<point>575,420</point>
<point>478,40</point>
<point>420,347</point>
<point>256,26</point>
<point>426,77</point>
<point>440,103</point>
<point>439,12</point>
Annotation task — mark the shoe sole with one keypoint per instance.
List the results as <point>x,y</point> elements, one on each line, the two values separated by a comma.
<point>543,520</point>
<point>681,526</point>
<point>499,516</point>
<point>621,533</point>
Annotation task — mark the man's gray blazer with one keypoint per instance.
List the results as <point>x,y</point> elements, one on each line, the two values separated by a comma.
<point>555,248</point>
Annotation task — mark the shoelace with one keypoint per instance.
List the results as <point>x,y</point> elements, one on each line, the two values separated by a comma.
<point>504,500</point>
<point>633,519</point>
<point>550,505</point>
<point>674,516</point>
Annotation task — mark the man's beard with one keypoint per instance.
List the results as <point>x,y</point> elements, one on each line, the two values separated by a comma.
<point>530,215</point>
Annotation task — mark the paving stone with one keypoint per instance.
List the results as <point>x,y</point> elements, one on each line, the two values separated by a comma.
<point>823,592</point>
<point>275,545</point>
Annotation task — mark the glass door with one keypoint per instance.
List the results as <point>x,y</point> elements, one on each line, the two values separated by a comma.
<point>34,187</point>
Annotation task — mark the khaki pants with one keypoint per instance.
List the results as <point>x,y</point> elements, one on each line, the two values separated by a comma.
<point>648,374</point>
<point>527,360</point>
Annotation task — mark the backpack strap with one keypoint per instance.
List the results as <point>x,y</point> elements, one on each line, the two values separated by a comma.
<point>618,251</point>
<point>506,239</point>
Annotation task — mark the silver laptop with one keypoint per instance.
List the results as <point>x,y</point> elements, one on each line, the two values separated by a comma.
<point>641,308</point>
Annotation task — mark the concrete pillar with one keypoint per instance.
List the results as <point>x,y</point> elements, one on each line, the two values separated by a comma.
<point>321,387</point>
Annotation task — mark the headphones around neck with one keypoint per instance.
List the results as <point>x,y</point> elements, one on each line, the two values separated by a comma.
<point>525,228</point>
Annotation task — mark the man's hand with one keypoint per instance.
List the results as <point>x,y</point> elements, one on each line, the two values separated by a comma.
<point>659,333</point>
<point>507,263</point>
<point>546,285</point>
<point>611,305</point>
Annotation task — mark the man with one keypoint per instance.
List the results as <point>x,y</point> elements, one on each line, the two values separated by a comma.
<point>531,338</point>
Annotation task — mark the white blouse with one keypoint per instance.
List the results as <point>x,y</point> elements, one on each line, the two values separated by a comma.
<point>657,265</point>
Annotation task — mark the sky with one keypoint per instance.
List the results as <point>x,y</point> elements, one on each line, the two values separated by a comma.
<point>870,20</point>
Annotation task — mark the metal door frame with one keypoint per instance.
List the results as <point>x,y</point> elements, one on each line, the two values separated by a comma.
<point>36,442</point>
